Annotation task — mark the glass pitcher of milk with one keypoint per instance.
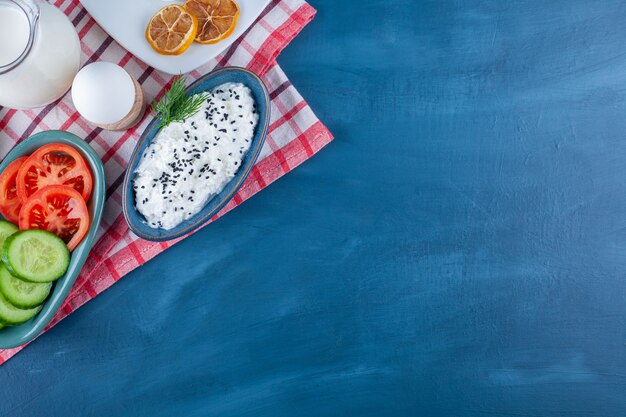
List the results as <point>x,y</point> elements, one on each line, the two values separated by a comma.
<point>39,53</point>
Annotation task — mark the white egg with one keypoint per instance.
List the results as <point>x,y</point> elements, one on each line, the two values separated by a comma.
<point>103,93</point>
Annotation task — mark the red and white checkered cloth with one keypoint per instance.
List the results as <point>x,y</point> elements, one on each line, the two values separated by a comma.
<point>295,134</point>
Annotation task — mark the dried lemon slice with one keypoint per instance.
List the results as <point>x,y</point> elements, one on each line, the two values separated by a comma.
<point>216,18</point>
<point>172,30</point>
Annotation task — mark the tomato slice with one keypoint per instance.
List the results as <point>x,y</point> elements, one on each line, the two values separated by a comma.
<point>58,209</point>
<point>10,203</point>
<point>54,164</point>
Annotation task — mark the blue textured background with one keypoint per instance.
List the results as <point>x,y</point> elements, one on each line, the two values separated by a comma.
<point>458,250</point>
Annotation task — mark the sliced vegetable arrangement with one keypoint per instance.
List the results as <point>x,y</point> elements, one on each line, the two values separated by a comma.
<point>46,195</point>
<point>10,203</point>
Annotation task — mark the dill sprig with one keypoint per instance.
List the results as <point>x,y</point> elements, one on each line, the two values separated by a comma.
<point>175,106</point>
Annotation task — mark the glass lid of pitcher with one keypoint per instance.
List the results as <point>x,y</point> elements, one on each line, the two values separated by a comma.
<point>18,26</point>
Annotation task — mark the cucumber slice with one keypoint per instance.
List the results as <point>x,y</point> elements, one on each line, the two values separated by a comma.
<point>20,293</point>
<point>36,256</point>
<point>11,315</point>
<point>6,230</point>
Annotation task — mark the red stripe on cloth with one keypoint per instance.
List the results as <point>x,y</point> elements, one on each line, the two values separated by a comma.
<point>12,134</point>
<point>7,117</point>
<point>90,290</point>
<point>288,116</point>
<point>223,58</point>
<point>136,252</point>
<point>108,263</point>
<point>256,174</point>
<point>100,250</point>
<point>292,123</point>
<point>306,145</point>
<point>285,7</point>
<point>7,354</point>
<point>36,119</point>
<point>277,152</point>
<point>122,62</point>
<point>70,8</point>
<point>86,28</point>
<point>118,144</point>
<point>70,121</point>
<point>283,35</point>
<point>280,156</point>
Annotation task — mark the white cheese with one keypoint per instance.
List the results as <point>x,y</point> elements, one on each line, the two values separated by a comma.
<point>188,163</point>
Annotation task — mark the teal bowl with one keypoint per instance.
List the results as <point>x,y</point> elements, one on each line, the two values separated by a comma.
<point>136,221</point>
<point>11,337</point>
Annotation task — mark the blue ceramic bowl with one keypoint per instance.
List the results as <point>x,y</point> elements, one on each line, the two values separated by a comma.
<point>18,335</point>
<point>136,221</point>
